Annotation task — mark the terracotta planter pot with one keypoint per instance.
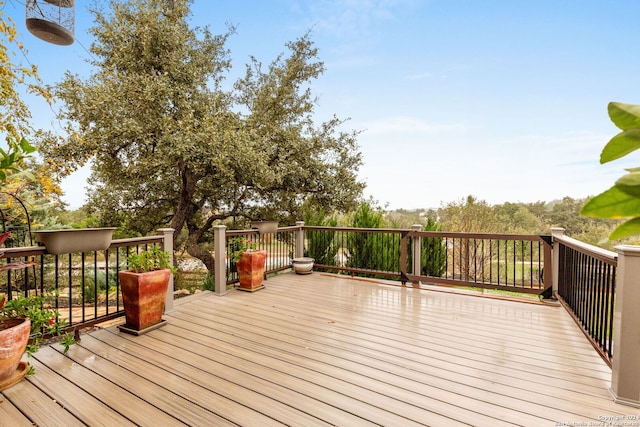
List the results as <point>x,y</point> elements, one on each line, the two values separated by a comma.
<point>251,270</point>
<point>144,296</point>
<point>14,335</point>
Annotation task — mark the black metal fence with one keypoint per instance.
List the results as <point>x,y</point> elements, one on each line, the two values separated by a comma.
<point>494,261</point>
<point>358,251</point>
<point>83,287</point>
<point>586,286</point>
<point>280,247</point>
<point>518,263</point>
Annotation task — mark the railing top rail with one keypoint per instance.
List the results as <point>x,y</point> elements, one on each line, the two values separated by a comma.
<point>449,234</point>
<point>134,240</point>
<point>594,251</point>
<point>487,236</point>
<point>22,251</point>
<point>255,230</point>
<point>359,230</point>
<point>242,232</point>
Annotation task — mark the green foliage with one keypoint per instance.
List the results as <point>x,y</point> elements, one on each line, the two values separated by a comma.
<point>374,251</point>
<point>148,260</point>
<point>470,215</point>
<point>208,284</point>
<point>45,322</point>
<point>17,79</point>
<point>93,288</point>
<point>240,245</point>
<point>623,199</point>
<point>368,215</point>
<point>320,244</point>
<point>433,254</point>
<point>171,145</point>
<point>13,158</point>
<point>521,218</point>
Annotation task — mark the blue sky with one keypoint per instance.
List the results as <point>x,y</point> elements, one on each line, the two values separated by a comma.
<point>505,100</point>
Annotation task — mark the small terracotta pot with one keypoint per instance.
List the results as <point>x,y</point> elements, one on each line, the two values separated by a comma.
<point>14,335</point>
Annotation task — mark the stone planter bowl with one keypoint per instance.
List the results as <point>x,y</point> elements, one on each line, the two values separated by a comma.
<point>302,265</point>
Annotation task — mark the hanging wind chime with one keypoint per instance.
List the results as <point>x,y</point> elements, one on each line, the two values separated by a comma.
<point>51,20</point>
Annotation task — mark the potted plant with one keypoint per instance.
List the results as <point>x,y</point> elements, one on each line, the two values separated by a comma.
<point>144,289</point>
<point>25,322</point>
<point>249,262</point>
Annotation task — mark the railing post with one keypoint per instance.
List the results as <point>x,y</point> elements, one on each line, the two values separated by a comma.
<point>299,253</point>
<point>555,266</point>
<point>417,251</point>
<point>167,245</point>
<point>625,375</point>
<point>220,259</point>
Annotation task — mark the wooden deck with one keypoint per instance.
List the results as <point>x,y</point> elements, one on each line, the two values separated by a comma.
<point>321,350</point>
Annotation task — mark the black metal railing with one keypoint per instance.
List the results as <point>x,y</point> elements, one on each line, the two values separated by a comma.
<point>368,252</point>
<point>495,261</point>
<point>83,287</point>
<point>280,247</point>
<point>586,286</point>
<point>518,263</point>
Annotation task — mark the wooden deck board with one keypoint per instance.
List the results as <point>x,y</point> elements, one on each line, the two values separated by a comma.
<point>40,408</point>
<point>322,350</point>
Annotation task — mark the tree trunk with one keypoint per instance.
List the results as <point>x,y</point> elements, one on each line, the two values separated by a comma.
<point>187,190</point>
<point>195,250</point>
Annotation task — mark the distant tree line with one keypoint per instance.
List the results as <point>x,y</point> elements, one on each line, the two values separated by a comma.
<point>539,217</point>
<point>380,252</point>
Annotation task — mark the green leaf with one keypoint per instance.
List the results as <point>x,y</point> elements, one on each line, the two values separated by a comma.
<point>628,228</point>
<point>624,116</point>
<point>26,146</point>
<point>613,203</point>
<point>621,145</point>
<point>630,184</point>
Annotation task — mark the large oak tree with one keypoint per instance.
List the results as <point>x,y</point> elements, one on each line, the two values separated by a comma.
<point>170,145</point>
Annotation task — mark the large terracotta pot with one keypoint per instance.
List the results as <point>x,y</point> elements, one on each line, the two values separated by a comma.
<point>144,296</point>
<point>14,335</point>
<point>251,270</point>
